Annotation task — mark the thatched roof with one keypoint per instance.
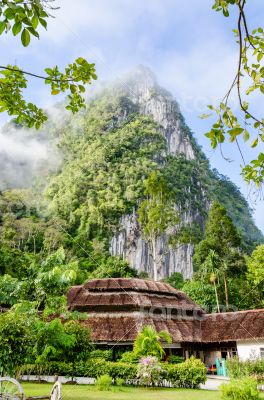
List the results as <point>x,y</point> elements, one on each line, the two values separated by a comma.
<point>233,326</point>
<point>119,308</point>
<point>124,328</point>
<point>128,295</point>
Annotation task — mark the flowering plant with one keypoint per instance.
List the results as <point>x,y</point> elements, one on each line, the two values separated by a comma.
<point>150,372</point>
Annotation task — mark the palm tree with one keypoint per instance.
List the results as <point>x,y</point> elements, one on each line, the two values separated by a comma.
<point>211,267</point>
<point>149,342</point>
<point>214,279</point>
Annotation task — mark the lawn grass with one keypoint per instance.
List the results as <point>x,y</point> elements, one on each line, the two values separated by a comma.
<point>87,392</point>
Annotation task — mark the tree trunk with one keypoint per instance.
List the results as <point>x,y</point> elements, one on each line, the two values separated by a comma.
<point>155,267</point>
<point>226,292</point>
<point>216,297</point>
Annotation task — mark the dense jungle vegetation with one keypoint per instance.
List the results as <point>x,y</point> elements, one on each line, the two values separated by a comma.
<point>56,233</point>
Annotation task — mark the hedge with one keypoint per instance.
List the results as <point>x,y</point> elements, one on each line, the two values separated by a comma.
<point>92,369</point>
<point>188,374</point>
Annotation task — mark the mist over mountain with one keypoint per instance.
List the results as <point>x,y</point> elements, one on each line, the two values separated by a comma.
<point>24,156</point>
<point>96,162</point>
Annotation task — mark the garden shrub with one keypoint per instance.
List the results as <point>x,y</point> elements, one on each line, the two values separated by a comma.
<point>103,354</point>
<point>104,382</point>
<point>150,372</point>
<point>189,374</point>
<point>129,357</point>
<point>240,389</point>
<point>253,367</point>
<point>175,359</point>
<point>49,368</point>
<point>122,370</point>
<point>119,382</point>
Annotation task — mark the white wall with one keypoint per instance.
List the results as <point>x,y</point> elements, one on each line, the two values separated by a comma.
<point>248,349</point>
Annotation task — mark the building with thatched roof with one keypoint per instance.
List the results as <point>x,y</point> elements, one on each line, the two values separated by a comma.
<point>119,308</point>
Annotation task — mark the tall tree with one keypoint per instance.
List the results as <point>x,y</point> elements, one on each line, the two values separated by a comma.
<point>221,244</point>
<point>256,269</point>
<point>157,214</point>
<point>210,269</point>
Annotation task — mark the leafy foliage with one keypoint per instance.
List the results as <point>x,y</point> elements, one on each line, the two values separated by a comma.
<point>21,16</point>
<point>25,338</point>
<point>221,276</point>
<point>149,342</point>
<point>250,69</point>
<point>253,367</point>
<point>189,374</point>
<point>104,382</point>
<point>240,389</point>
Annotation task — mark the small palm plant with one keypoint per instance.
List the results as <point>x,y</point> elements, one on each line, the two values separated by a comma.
<point>149,342</point>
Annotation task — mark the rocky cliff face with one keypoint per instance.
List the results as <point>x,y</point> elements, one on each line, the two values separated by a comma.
<point>141,88</point>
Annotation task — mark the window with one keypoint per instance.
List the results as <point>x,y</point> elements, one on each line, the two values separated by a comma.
<point>262,352</point>
<point>228,352</point>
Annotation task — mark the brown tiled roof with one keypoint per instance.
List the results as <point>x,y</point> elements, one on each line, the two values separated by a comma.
<point>240,325</point>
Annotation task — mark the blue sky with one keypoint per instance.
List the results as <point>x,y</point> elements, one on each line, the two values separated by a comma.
<point>189,47</point>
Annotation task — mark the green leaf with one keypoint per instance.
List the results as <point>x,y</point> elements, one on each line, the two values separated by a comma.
<point>235,131</point>
<point>2,27</point>
<point>260,56</point>
<point>204,116</point>
<point>80,60</point>
<point>34,22</point>
<point>43,22</point>
<point>55,91</point>
<point>246,135</point>
<point>17,28</point>
<point>49,71</point>
<point>254,143</point>
<point>25,38</point>
<point>33,32</point>
<point>9,14</point>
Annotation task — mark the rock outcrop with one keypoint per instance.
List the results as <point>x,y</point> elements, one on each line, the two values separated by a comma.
<point>142,89</point>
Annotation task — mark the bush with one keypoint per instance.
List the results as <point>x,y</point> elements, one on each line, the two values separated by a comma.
<point>189,374</point>
<point>103,354</point>
<point>119,382</point>
<point>239,369</point>
<point>150,372</point>
<point>175,359</point>
<point>240,389</point>
<point>49,368</point>
<point>129,357</point>
<point>104,382</point>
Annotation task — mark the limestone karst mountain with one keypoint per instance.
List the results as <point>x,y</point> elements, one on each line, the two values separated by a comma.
<point>142,89</point>
<point>107,152</point>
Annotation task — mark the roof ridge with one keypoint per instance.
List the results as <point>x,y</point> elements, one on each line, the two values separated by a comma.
<point>237,312</point>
